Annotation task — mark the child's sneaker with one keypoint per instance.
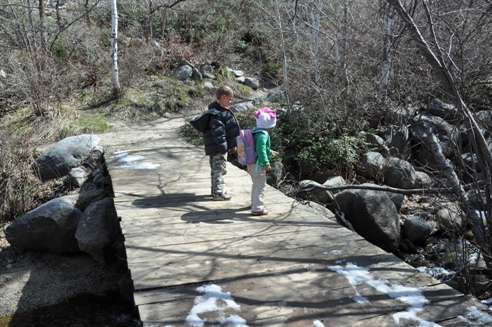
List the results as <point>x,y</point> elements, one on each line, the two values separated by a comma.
<point>260,213</point>
<point>221,197</point>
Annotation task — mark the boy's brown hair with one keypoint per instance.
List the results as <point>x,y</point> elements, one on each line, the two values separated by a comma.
<point>223,90</point>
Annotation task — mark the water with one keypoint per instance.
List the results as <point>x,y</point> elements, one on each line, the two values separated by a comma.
<point>83,311</point>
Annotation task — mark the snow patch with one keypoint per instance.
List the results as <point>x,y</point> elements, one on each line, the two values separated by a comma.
<point>474,315</point>
<point>133,162</point>
<point>214,300</point>
<point>410,295</point>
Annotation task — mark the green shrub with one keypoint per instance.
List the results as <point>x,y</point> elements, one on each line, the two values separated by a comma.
<point>311,145</point>
<point>274,68</point>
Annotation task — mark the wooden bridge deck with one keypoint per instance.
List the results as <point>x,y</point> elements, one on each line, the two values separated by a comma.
<point>199,262</point>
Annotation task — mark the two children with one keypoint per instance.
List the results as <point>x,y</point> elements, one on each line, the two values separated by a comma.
<point>220,137</point>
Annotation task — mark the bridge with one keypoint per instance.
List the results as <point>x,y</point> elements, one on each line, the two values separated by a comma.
<point>199,262</point>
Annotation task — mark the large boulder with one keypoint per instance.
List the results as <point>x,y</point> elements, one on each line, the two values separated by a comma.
<point>396,198</point>
<point>98,230</point>
<point>50,227</point>
<point>372,165</point>
<point>444,110</point>
<point>397,139</point>
<point>372,215</point>
<point>416,229</point>
<point>183,72</point>
<point>65,155</point>
<point>422,126</point>
<point>399,173</point>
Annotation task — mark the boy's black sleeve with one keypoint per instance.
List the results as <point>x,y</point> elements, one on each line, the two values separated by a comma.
<point>219,134</point>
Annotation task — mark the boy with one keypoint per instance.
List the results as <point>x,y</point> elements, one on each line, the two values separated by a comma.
<point>266,119</point>
<point>219,138</point>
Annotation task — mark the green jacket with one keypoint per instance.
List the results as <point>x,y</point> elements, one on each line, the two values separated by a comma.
<point>262,146</point>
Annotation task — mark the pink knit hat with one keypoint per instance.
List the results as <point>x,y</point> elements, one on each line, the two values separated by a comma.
<point>266,118</point>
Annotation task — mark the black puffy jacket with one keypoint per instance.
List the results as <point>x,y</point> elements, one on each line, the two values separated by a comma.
<point>222,131</point>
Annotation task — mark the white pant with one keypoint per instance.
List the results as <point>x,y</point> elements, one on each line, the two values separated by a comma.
<point>259,187</point>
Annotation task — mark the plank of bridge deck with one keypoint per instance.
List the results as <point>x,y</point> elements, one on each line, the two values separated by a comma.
<point>243,244</point>
<point>195,226</point>
<point>292,298</point>
<point>192,266</point>
<point>207,221</point>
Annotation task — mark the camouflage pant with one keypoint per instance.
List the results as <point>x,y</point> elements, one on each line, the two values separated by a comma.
<point>218,168</point>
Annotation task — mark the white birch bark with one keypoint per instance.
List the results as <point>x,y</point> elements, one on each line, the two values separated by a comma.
<point>387,58</point>
<point>284,55</point>
<point>114,48</point>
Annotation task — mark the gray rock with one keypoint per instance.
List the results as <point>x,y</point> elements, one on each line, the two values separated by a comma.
<point>237,73</point>
<point>206,68</point>
<point>372,215</point>
<point>252,82</point>
<point>65,155</point>
<point>422,179</point>
<point>399,173</point>
<point>444,110</point>
<point>449,219</point>
<point>209,87</point>
<point>98,230</point>
<point>183,72</point>
<point>241,107</point>
<point>372,165</point>
<point>50,227</point>
<point>335,181</point>
<point>195,74</point>
<point>78,176</point>
<point>323,196</point>
<point>86,198</point>
<point>275,96</point>
<point>396,198</point>
<point>416,229</point>
<point>423,125</point>
<point>208,75</point>
<point>398,137</point>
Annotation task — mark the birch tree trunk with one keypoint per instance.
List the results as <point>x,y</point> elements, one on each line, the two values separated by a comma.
<point>42,26</point>
<point>114,48</point>
<point>387,55</point>
<point>284,55</point>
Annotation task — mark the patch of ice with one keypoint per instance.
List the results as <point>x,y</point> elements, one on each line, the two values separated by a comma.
<point>410,295</point>
<point>474,315</point>
<point>436,272</point>
<point>214,300</point>
<point>133,162</point>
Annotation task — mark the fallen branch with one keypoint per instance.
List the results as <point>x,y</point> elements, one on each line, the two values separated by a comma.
<point>308,186</point>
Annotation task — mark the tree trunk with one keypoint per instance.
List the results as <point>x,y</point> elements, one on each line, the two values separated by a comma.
<point>284,55</point>
<point>42,26</point>
<point>114,48</point>
<point>387,54</point>
<point>87,18</point>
